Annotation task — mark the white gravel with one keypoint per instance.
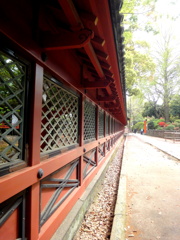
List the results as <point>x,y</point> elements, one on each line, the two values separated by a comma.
<point>98,220</point>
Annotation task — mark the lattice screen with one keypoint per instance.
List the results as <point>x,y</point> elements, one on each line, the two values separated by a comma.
<point>101,123</point>
<point>56,188</point>
<point>59,126</point>
<point>107,125</point>
<point>101,153</point>
<point>89,121</point>
<point>12,94</point>
<point>89,160</point>
<point>112,125</point>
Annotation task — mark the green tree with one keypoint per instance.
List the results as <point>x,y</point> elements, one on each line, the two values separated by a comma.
<point>175,106</point>
<point>167,77</point>
<point>134,110</point>
<point>152,109</point>
<point>138,126</point>
<point>139,65</point>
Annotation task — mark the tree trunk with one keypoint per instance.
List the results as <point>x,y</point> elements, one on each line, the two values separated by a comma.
<point>166,110</point>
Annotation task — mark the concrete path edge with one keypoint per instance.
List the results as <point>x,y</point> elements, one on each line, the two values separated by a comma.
<point>118,227</point>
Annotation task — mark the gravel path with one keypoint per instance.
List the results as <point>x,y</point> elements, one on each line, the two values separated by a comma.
<point>153,192</point>
<point>98,220</point>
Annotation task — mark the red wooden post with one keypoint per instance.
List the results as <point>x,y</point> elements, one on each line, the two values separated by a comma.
<point>34,148</point>
<point>34,152</point>
<point>81,131</point>
<point>97,133</point>
<point>105,134</point>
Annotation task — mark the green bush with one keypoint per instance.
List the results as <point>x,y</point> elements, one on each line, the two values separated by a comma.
<point>176,124</point>
<point>151,125</point>
<point>159,128</point>
<point>177,121</point>
<point>170,127</point>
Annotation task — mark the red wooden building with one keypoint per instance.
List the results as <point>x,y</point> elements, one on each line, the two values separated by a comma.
<point>62,93</point>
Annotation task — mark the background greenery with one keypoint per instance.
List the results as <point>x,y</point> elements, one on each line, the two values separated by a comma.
<point>152,63</point>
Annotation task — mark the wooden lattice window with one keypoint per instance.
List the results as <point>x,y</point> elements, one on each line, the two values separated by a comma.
<point>107,125</point>
<point>89,121</point>
<point>101,123</point>
<point>12,109</point>
<point>112,125</point>
<point>59,126</point>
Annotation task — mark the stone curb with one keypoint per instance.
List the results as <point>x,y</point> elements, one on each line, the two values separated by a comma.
<point>117,231</point>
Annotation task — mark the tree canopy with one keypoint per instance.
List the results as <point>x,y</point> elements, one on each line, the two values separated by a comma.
<point>152,67</point>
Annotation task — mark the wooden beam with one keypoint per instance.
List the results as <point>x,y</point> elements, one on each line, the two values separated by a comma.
<point>106,72</point>
<point>111,105</point>
<point>98,40</point>
<point>92,55</point>
<point>88,18</point>
<point>66,39</point>
<point>101,54</point>
<point>75,21</point>
<point>87,61</point>
<point>71,14</point>
<point>96,84</point>
<point>106,98</point>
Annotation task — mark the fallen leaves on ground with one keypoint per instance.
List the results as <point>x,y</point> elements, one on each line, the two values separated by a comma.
<point>98,220</point>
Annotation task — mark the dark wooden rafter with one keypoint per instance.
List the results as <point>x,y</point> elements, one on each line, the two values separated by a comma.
<point>106,98</point>
<point>85,58</point>
<point>88,18</point>
<point>71,14</point>
<point>92,70</point>
<point>81,37</point>
<point>98,40</point>
<point>76,24</point>
<point>96,66</point>
<point>101,54</point>
<point>66,39</point>
<point>95,84</point>
<point>111,106</point>
<point>115,111</point>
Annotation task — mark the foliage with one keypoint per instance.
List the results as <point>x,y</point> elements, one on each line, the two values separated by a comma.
<point>152,109</point>
<point>153,74</point>
<point>167,77</point>
<point>175,106</point>
<point>159,128</point>
<point>162,124</point>
<point>138,125</point>
<point>177,121</point>
<point>177,125</point>
<point>134,110</point>
<point>169,127</point>
<point>139,65</point>
<point>151,125</point>
<point>12,78</point>
<point>156,123</point>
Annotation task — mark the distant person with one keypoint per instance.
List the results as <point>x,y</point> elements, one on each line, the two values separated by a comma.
<point>142,131</point>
